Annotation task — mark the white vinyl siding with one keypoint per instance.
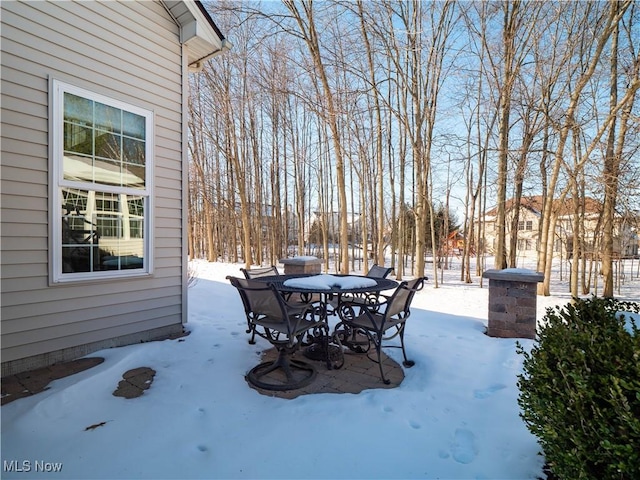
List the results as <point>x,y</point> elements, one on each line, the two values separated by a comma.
<point>128,51</point>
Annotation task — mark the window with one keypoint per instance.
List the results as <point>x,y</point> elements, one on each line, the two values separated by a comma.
<point>557,245</point>
<point>525,244</point>
<point>528,225</point>
<point>102,159</point>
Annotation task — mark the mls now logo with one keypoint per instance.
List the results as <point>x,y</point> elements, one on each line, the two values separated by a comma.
<point>28,466</point>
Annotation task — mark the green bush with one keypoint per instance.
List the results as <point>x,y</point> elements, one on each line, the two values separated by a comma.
<point>580,390</point>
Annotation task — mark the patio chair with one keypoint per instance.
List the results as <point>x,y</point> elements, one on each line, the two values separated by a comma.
<point>379,324</point>
<point>250,273</point>
<point>283,325</point>
<point>376,271</point>
<point>259,272</point>
<point>371,299</point>
<point>273,270</point>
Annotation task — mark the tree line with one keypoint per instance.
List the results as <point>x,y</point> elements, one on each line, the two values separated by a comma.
<point>390,112</point>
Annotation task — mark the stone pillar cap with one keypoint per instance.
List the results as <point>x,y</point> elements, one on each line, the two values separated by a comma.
<point>515,275</point>
<point>300,260</point>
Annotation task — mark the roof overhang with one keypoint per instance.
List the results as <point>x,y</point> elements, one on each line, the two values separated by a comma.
<point>198,31</point>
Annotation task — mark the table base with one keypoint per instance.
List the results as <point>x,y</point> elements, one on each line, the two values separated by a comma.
<point>316,351</point>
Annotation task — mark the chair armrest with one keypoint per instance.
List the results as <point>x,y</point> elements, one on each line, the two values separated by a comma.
<point>349,309</point>
<point>372,301</point>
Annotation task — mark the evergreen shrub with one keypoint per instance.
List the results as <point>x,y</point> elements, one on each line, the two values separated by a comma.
<point>580,390</point>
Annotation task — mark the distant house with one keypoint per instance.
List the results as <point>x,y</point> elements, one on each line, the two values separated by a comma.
<point>94,173</point>
<point>529,226</point>
<point>331,220</point>
<point>454,245</point>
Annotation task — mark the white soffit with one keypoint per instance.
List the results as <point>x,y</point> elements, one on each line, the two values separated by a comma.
<point>197,31</point>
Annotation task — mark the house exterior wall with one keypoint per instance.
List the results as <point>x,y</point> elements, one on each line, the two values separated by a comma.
<point>129,51</point>
<point>528,238</point>
<point>625,242</point>
<point>527,234</point>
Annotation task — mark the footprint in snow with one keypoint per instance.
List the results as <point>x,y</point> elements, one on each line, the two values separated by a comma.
<point>443,454</point>
<point>487,392</point>
<point>463,448</point>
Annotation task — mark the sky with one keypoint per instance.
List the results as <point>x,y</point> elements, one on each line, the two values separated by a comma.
<point>454,416</point>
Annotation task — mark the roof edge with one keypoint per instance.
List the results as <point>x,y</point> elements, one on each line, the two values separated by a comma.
<point>210,20</point>
<point>198,31</point>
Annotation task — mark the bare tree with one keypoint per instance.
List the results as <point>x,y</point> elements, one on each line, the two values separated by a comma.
<point>615,143</point>
<point>339,103</point>
<point>579,74</point>
<point>376,94</point>
<point>307,29</point>
<point>505,70</point>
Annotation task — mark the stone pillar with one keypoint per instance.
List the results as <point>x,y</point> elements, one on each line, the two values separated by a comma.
<point>297,265</point>
<point>512,302</point>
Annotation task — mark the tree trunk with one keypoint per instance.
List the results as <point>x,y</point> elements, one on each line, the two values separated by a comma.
<point>310,36</point>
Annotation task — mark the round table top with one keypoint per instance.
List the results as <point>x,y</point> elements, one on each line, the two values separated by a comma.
<point>278,282</point>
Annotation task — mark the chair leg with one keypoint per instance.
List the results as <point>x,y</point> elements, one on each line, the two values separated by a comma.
<point>378,343</point>
<point>297,374</point>
<point>407,363</point>
<point>252,340</point>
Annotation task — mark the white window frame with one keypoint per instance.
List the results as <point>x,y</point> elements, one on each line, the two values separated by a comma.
<point>57,90</point>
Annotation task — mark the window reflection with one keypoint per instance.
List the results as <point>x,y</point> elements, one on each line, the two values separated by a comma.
<point>133,151</point>
<point>78,168</point>
<point>103,144</point>
<point>78,110</point>
<point>108,145</point>
<point>78,139</point>
<point>133,125</point>
<point>107,172</point>
<point>133,176</point>
<point>101,231</point>
<point>108,118</point>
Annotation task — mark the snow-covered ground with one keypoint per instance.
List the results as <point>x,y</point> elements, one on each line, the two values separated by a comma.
<point>455,416</point>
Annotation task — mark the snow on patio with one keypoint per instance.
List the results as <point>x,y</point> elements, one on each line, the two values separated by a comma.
<point>454,416</point>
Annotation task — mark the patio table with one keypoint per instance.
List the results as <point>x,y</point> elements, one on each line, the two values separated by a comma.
<point>310,286</point>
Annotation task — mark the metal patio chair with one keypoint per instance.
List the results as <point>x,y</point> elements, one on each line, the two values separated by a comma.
<point>251,273</point>
<point>258,272</point>
<point>371,299</point>
<point>378,324</point>
<point>283,325</point>
<point>376,271</point>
